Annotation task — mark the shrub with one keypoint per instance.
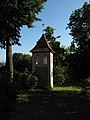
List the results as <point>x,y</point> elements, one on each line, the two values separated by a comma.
<point>59,75</point>
<point>26,80</point>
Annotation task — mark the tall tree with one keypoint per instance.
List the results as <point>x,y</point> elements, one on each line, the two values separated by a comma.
<point>13,15</point>
<point>54,43</point>
<point>59,70</point>
<point>79,25</point>
<point>22,62</point>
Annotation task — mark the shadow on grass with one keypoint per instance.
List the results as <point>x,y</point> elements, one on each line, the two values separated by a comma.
<point>51,105</point>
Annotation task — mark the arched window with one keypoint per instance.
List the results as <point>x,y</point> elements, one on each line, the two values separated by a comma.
<point>37,59</point>
<point>45,59</point>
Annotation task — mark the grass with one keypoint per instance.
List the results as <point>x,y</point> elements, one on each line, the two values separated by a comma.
<point>70,88</point>
<point>23,97</point>
<point>62,103</point>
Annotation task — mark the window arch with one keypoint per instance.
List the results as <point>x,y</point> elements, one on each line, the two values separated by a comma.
<point>37,59</point>
<point>45,59</point>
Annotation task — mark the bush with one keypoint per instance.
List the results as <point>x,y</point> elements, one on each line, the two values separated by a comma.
<point>26,80</point>
<point>59,75</point>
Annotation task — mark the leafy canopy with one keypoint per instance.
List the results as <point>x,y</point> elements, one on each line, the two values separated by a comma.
<point>22,62</point>
<point>14,14</point>
<point>59,70</point>
<point>79,25</point>
<point>79,62</point>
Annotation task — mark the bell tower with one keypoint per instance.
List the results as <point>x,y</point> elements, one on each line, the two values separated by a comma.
<point>42,62</point>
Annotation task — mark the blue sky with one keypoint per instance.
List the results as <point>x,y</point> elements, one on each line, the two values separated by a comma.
<point>55,14</point>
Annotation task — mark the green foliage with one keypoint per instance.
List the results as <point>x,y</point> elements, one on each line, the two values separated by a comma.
<point>79,25</point>
<point>55,45</point>
<point>79,61</point>
<point>22,62</point>
<point>78,69</point>
<point>48,33</point>
<point>59,56</point>
<point>26,80</point>
<point>15,14</point>
<point>23,76</point>
<point>59,75</point>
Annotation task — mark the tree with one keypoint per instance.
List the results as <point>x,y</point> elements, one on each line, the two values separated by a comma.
<point>79,65</point>
<point>59,69</point>
<point>13,15</point>
<point>22,62</point>
<point>55,45</point>
<point>79,25</point>
<point>78,70</point>
<point>24,77</point>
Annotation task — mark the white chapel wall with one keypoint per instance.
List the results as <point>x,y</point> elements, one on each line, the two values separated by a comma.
<point>41,62</point>
<point>51,70</point>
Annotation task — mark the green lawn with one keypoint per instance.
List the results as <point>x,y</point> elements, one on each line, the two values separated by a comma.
<point>70,88</point>
<point>62,103</point>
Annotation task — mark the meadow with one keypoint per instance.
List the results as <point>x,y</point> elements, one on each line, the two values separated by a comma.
<point>61,103</point>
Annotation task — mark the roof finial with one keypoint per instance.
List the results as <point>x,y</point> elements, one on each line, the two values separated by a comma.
<point>43,28</point>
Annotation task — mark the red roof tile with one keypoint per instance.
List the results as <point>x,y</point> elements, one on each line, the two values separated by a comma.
<point>42,45</point>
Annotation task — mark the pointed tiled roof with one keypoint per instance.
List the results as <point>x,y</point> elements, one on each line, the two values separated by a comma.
<point>42,45</point>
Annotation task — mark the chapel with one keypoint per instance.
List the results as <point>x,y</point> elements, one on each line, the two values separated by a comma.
<point>42,62</point>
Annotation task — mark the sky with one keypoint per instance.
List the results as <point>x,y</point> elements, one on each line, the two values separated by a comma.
<point>56,14</point>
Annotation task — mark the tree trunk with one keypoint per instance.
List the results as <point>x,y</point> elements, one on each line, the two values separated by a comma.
<point>9,60</point>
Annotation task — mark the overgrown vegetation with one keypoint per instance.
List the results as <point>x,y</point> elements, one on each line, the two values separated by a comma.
<point>79,61</point>
<point>16,14</point>
<point>59,56</point>
<point>26,80</point>
<point>71,64</point>
<point>13,15</point>
<point>24,77</point>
